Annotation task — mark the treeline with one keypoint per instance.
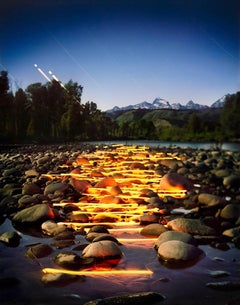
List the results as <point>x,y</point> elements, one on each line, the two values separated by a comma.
<point>49,113</point>
<point>52,112</point>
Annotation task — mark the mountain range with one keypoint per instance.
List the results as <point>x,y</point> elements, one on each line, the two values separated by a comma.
<point>160,103</point>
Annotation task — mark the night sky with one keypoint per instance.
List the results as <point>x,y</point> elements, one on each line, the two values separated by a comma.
<point>125,52</point>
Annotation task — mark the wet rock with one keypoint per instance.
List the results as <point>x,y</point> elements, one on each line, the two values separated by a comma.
<point>141,298</point>
<point>38,251</point>
<point>232,181</point>
<point>98,229</point>
<point>107,181</point>
<point>176,250</point>
<point>80,218</point>
<point>219,273</point>
<point>174,181</point>
<point>224,285</point>
<point>210,200</point>
<point>80,186</point>
<point>102,249</point>
<point>31,189</point>
<point>55,186</point>
<point>31,173</point>
<point>26,201</point>
<point>230,212</point>
<point>35,214</point>
<point>58,279</point>
<point>191,226</point>
<point>105,237</point>
<point>232,233</point>
<point>11,239</point>
<point>51,228</point>
<point>148,219</point>
<point>154,229</point>
<point>68,260</point>
<point>174,235</point>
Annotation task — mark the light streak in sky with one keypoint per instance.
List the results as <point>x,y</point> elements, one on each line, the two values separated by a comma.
<point>56,79</point>
<point>75,61</point>
<point>41,71</point>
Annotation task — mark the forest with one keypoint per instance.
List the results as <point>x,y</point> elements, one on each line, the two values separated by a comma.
<point>52,112</point>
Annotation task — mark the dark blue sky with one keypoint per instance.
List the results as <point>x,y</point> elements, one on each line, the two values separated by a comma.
<point>125,52</point>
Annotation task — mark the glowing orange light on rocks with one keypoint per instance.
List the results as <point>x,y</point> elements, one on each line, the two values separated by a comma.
<point>111,272</point>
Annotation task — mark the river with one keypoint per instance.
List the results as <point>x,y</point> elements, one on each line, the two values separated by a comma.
<point>231,146</point>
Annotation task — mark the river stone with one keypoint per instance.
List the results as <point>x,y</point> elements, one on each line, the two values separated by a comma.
<point>38,251</point>
<point>153,229</point>
<point>148,219</point>
<point>51,228</point>
<point>55,186</point>
<point>80,186</point>
<point>232,181</point>
<point>232,233</point>
<point>174,181</point>
<point>191,226</point>
<point>57,279</point>
<point>174,235</point>
<point>11,238</point>
<point>105,237</point>
<point>231,211</point>
<point>31,189</point>
<point>224,285</point>
<point>107,181</point>
<point>26,201</point>
<point>102,249</point>
<point>36,213</point>
<point>210,200</point>
<point>68,260</point>
<point>98,229</point>
<point>176,250</point>
<point>141,298</point>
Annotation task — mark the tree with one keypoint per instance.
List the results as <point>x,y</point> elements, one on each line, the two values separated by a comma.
<point>21,113</point>
<point>230,116</point>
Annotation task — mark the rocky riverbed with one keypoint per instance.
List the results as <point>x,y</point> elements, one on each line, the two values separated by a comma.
<point>84,224</point>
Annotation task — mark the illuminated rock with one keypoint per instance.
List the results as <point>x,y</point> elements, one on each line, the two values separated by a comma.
<point>191,226</point>
<point>102,249</point>
<point>50,227</point>
<point>174,235</point>
<point>176,250</point>
<point>153,229</point>
<point>107,181</point>
<point>36,213</point>
<point>174,181</point>
<point>10,239</point>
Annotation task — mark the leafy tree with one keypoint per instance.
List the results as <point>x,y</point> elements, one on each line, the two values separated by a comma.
<point>230,116</point>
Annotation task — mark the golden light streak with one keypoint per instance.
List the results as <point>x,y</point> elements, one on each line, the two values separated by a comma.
<point>111,272</point>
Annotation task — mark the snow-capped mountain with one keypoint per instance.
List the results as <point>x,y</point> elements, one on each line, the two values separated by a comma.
<point>159,103</point>
<point>220,102</point>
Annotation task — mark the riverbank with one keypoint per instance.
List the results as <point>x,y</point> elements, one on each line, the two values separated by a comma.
<point>204,192</point>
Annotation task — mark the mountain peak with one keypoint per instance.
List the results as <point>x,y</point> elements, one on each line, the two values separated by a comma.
<point>160,103</point>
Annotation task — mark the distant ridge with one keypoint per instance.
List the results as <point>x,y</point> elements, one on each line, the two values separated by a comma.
<point>160,103</point>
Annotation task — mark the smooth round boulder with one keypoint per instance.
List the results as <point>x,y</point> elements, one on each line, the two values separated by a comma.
<point>230,212</point>
<point>102,249</point>
<point>174,235</point>
<point>153,229</point>
<point>178,251</point>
